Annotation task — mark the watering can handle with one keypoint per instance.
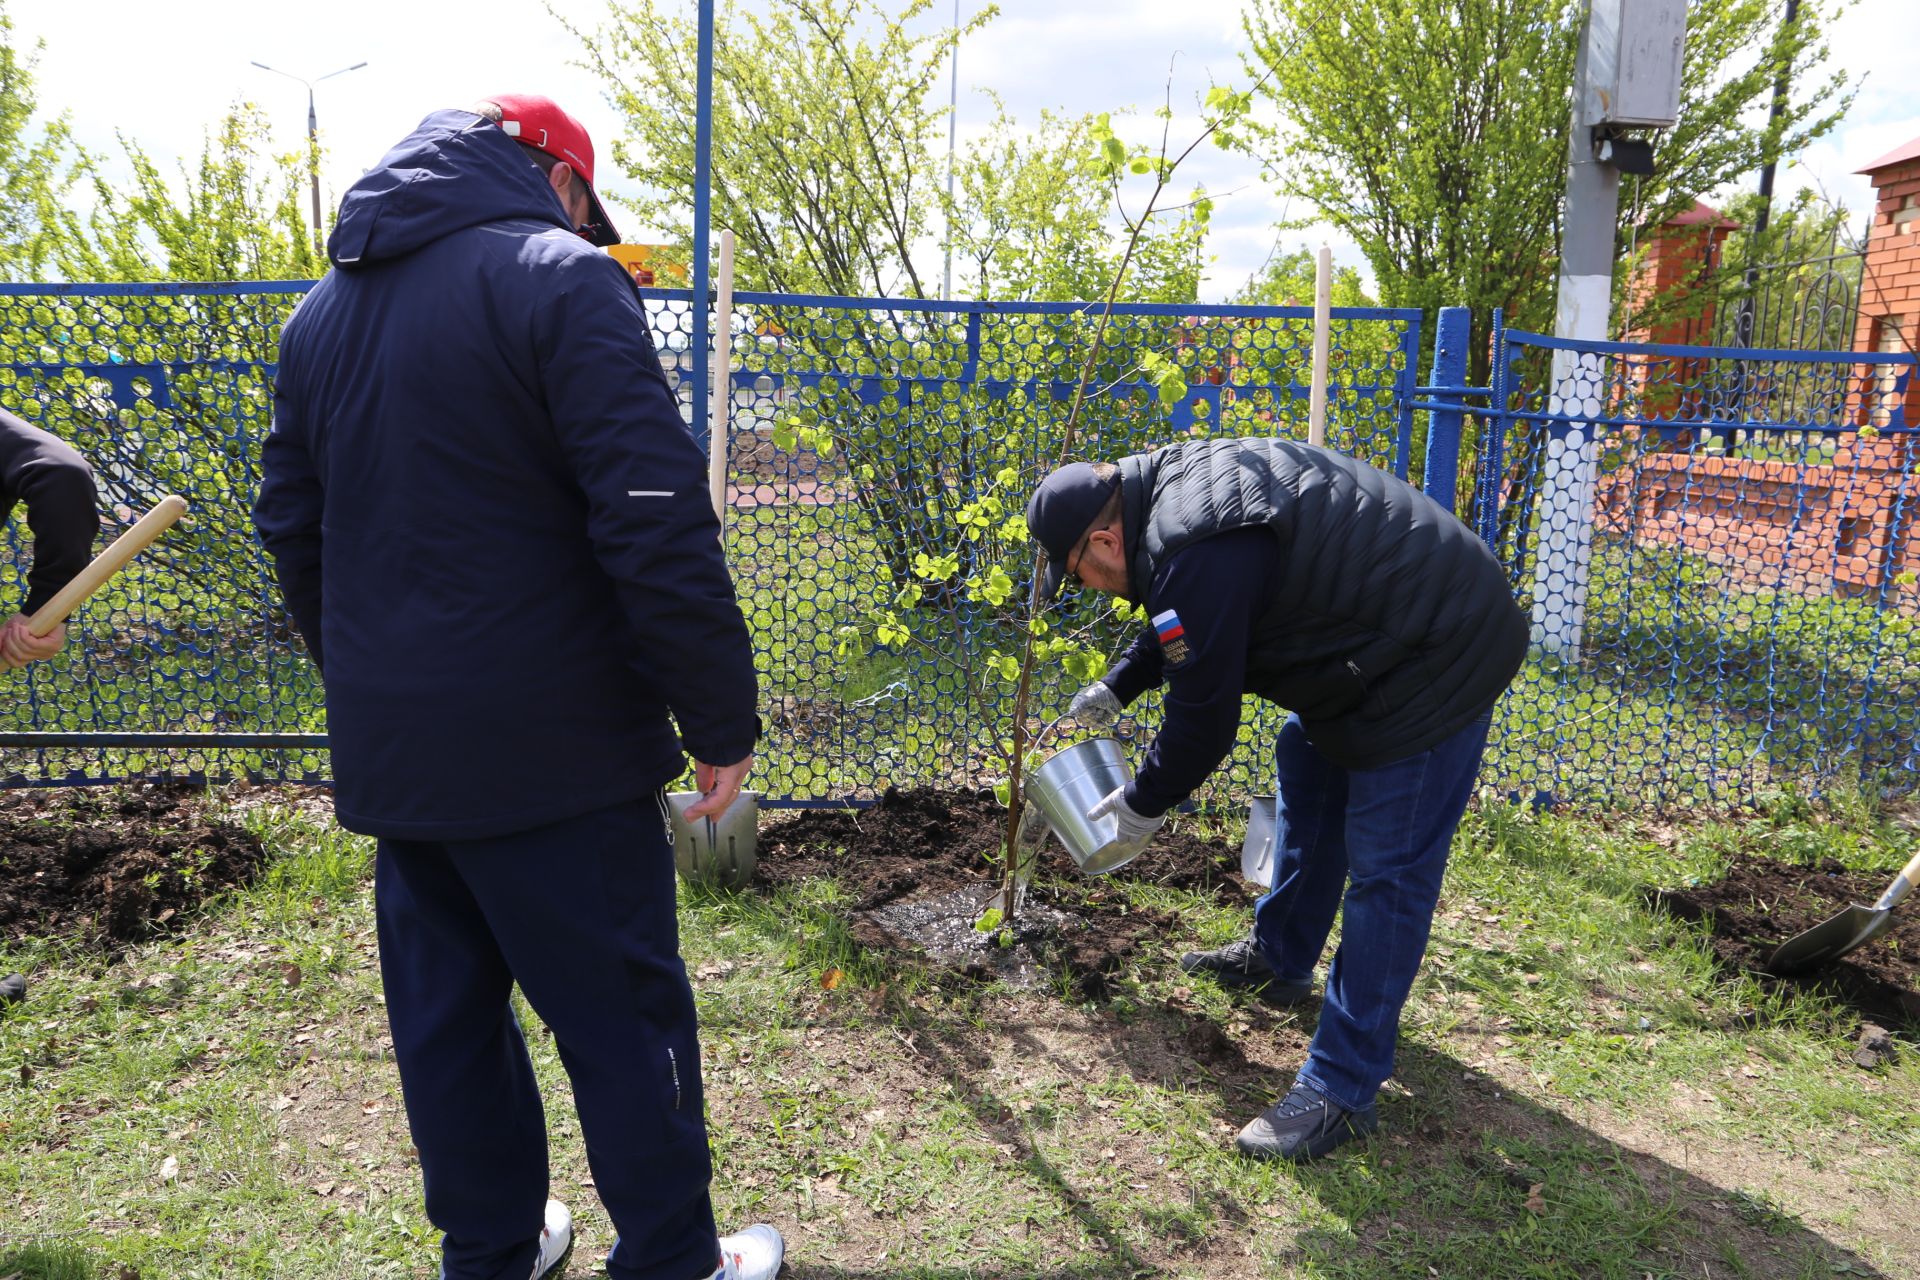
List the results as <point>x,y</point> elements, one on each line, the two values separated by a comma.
<point>1902,885</point>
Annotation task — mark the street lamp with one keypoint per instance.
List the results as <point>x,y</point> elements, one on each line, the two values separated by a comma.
<point>313,137</point>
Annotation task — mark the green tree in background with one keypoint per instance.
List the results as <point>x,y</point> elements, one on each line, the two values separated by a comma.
<point>827,148</point>
<point>1032,217</point>
<point>1434,132</point>
<point>235,215</point>
<point>829,159</point>
<point>1287,280</point>
<point>36,169</point>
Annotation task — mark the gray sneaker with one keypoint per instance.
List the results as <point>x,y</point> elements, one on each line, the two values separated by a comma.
<point>1304,1125</point>
<point>1243,964</point>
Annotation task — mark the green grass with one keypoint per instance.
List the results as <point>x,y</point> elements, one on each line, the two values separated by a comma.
<point>1581,1093</point>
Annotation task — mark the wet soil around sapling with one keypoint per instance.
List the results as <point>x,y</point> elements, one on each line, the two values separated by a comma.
<point>918,868</point>
<point>113,866</point>
<point>1760,903</point>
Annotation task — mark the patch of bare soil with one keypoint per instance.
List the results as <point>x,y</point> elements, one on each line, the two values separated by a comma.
<point>935,848</point>
<point>114,866</point>
<point>1761,903</point>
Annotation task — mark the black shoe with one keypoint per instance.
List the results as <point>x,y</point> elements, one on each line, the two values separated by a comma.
<point>1304,1125</point>
<point>13,987</point>
<point>1242,964</point>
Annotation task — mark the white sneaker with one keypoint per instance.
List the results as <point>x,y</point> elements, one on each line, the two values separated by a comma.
<point>753,1254</point>
<point>556,1239</point>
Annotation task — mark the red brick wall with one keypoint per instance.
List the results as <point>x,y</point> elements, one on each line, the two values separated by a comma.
<point>1890,292</point>
<point>1814,529</point>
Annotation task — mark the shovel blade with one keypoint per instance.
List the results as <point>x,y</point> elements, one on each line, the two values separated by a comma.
<point>1828,940</point>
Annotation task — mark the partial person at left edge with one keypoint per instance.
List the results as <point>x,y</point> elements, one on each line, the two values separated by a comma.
<point>56,484</point>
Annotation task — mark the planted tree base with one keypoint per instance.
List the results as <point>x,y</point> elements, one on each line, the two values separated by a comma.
<point>1760,903</point>
<point>113,866</point>
<point>919,869</point>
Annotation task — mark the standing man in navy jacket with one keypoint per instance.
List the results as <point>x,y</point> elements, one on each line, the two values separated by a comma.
<point>57,486</point>
<point>1387,630</point>
<point>493,530</point>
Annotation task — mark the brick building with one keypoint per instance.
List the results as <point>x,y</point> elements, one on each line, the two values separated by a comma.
<point>1835,509</point>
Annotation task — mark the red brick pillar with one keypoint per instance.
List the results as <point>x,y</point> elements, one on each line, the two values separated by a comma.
<point>1889,322</point>
<point>1680,260</point>
<point>1890,285</point>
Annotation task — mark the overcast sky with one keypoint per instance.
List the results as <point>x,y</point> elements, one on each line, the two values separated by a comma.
<point>163,73</point>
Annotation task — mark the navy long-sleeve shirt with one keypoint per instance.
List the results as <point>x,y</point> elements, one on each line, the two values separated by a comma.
<point>57,486</point>
<point>1202,606</point>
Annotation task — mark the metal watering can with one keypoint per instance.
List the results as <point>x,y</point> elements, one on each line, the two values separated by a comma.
<point>1071,782</point>
<point>717,851</point>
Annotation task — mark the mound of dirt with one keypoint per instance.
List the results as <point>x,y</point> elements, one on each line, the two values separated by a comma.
<point>114,866</point>
<point>933,849</point>
<point>1760,903</point>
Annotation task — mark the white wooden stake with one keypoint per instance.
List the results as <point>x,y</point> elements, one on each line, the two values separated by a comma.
<point>1322,308</point>
<point>722,401</point>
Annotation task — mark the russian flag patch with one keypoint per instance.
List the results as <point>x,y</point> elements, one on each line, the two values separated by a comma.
<point>1168,626</point>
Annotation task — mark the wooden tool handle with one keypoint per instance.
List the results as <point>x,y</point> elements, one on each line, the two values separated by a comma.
<point>106,564</point>
<point>1902,884</point>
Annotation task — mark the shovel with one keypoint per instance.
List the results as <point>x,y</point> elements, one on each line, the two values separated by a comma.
<point>718,850</point>
<point>106,564</point>
<point>1835,937</point>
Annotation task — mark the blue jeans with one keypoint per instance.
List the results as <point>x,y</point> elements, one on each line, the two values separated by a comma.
<point>581,915</point>
<point>1380,836</point>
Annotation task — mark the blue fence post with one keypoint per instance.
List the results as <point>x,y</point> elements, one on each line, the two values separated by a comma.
<point>1406,390</point>
<point>1449,379</point>
<point>702,215</point>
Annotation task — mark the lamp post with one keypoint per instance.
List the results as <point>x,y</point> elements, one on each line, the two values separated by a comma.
<point>313,136</point>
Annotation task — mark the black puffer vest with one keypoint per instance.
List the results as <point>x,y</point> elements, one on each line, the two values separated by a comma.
<point>1393,626</point>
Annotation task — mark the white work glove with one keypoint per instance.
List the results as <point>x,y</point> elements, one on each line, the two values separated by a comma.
<point>1095,706</point>
<point>1134,828</point>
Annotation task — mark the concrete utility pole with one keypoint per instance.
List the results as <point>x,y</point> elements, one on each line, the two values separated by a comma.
<point>1626,78</point>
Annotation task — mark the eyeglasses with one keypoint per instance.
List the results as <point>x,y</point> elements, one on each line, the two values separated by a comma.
<point>1073,559</point>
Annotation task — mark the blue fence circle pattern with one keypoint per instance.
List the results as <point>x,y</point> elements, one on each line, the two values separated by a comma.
<point>1713,551</point>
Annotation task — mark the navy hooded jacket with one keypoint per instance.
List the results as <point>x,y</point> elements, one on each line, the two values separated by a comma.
<point>490,523</point>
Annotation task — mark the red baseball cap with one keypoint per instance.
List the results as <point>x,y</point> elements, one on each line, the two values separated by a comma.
<point>541,124</point>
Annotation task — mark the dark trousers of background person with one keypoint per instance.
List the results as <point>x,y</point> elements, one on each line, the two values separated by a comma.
<point>581,915</point>
<point>1377,841</point>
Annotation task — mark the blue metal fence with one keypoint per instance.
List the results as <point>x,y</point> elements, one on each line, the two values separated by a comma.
<point>1716,554</point>
<point>1716,546</point>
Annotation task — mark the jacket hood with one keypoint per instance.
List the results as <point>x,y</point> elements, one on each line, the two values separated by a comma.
<point>456,170</point>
